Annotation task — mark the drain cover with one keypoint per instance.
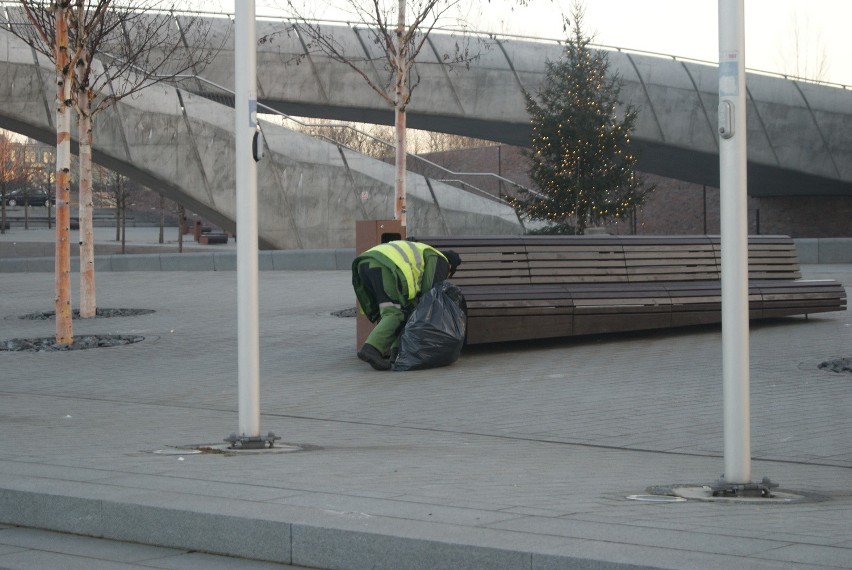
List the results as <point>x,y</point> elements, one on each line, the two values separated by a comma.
<point>227,449</point>
<point>176,451</point>
<point>656,498</point>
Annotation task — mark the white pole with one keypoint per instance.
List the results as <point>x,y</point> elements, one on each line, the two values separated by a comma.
<point>734,226</point>
<point>245,111</point>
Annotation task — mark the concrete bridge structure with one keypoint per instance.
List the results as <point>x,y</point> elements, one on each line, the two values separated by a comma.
<point>798,132</point>
<point>180,141</point>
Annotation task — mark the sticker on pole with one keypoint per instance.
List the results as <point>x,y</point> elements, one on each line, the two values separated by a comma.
<point>252,113</point>
<point>729,73</point>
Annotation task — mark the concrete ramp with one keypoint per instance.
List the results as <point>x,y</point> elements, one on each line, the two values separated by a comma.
<point>310,192</point>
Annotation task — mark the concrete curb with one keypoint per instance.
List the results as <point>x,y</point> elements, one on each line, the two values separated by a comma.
<point>278,260</point>
<point>824,250</point>
<point>277,533</point>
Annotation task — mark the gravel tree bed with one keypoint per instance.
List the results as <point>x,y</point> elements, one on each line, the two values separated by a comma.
<point>80,342</point>
<point>99,313</point>
<point>837,365</point>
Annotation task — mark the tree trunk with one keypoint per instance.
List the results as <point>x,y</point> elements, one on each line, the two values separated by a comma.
<point>162,216</point>
<point>88,306</point>
<point>117,193</point>
<point>123,215</point>
<point>399,120</point>
<point>181,227</point>
<point>123,228</point>
<point>399,195</point>
<point>49,206</point>
<point>582,221</point>
<point>62,303</point>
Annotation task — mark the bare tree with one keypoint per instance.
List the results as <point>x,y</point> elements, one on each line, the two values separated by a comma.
<point>123,191</point>
<point>803,54</point>
<point>181,211</point>
<point>361,137</point>
<point>139,43</point>
<point>401,29</point>
<point>162,218</point>
<point>373,140</point>
<point>432,141</point>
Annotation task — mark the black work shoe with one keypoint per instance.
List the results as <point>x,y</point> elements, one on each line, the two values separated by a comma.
<point>373,357</point>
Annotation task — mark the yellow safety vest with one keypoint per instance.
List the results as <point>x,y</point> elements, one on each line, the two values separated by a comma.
<point>408,257</point>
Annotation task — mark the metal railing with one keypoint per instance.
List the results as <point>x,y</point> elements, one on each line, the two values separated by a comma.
<point>225,96</point>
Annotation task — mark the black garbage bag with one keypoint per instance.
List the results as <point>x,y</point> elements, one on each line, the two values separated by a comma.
<point>434,333</point>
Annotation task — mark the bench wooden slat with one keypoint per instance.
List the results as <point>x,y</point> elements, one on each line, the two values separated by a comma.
<point>520,303</point>
<point>486,280</point>
<point>604,324</point>
<point>495,271</point>
<point>492,257</point>
<point>653,277</point>
<point>668,270</point>
<point>673,260</point>
<point>579,270</point>
<point>502,329</point>
<point>545,279</point>
<point>538,258</point>
<point>562,312</point>
<point>669,251</point>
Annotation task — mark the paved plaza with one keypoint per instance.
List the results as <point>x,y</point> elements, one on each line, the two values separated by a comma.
<point>517,456</point>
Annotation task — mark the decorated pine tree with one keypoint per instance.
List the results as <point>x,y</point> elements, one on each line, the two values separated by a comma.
<point>580,150</point>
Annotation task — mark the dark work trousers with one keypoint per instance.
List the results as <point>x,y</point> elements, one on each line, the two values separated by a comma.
<point>381,284</point>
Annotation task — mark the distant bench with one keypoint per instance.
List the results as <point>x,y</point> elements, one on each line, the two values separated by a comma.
<point>206,236</point>
<point>531,287</point>
<point>213,238</point>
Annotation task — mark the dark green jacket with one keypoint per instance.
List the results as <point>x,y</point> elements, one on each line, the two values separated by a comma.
<point>431,267</point>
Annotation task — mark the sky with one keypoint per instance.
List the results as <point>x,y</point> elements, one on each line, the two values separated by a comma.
<point>776,30</point>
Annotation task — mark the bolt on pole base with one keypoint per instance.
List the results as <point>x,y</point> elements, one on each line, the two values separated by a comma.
<point>257,442</point>
<point>763,489</point>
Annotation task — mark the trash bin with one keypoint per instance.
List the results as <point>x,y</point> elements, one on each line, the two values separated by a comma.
<point>370,233</point>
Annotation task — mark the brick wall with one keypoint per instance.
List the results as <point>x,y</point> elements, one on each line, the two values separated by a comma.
<point>675,207</point>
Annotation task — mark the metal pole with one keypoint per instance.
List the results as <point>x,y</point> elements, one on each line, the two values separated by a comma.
<point>245,111</point>
<point>734,239</point>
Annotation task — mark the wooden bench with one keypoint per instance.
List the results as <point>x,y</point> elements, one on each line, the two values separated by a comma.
<point>213,238</point>
<point>532,287</point>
